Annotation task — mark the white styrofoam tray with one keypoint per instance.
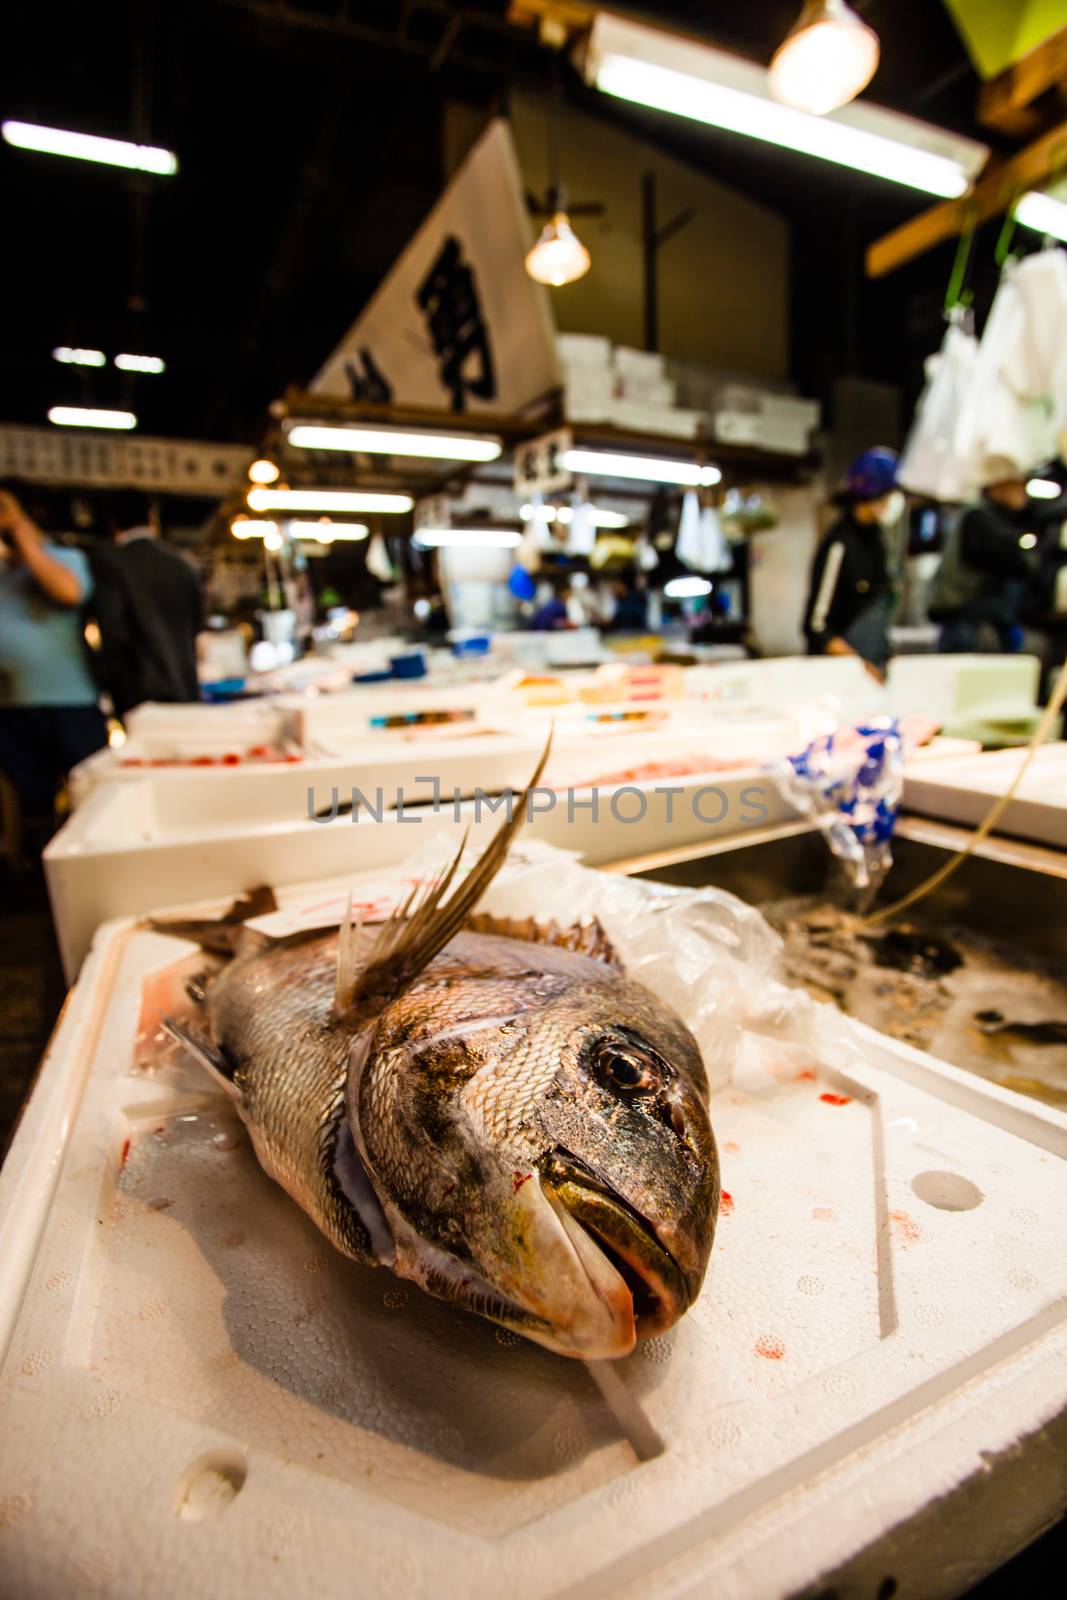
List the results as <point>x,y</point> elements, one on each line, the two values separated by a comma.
<point>963,791</point>
<point>198,1396</point>
<point>179,835</point>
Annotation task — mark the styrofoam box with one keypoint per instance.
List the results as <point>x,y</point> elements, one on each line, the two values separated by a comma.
<point>949,687</point>
<point>176,835</point>
<point>198,1396</point>
<point>963,790</point>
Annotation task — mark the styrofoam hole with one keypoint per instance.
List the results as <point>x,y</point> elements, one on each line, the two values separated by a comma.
<point>947,1191</point>
<point>209,1485</point>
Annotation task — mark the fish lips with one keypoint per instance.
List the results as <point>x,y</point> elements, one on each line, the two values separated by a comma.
<point>660,1290</point>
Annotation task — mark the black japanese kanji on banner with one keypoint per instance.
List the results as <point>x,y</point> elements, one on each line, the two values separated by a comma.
<point>367,381</point>
<point>448,298</point>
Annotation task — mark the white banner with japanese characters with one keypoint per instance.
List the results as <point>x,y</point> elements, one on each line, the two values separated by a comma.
<point>458,324</point>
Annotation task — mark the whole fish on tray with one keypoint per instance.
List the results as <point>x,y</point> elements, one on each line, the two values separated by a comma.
<point>490,1108</point>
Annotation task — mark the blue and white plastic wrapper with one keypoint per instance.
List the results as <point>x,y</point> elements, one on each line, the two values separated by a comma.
<point>850,783</point>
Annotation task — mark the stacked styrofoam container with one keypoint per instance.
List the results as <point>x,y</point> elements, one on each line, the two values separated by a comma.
<point>765,419</point>
<point>630,388</point>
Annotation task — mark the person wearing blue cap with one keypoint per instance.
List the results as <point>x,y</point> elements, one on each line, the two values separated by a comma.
<point>850,600</point>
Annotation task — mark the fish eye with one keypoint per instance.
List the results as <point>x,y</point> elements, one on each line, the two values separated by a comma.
<point>628,1070</point>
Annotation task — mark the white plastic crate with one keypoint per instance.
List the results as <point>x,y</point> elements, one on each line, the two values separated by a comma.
<point>198,1396</point>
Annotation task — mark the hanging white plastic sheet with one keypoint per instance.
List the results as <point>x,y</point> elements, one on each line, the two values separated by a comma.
<point>931,463</point>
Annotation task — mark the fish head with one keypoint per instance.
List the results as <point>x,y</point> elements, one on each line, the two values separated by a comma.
<point>543,1153</point>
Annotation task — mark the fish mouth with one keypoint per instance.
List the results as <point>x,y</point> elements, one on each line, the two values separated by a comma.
<point>657,1285</point>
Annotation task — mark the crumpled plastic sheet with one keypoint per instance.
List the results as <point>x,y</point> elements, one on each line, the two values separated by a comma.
<point>710,957</point>
<point>850,783</point>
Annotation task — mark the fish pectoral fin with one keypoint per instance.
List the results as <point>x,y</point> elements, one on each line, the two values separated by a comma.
<point>423,924</point>
<point>207,1054</point>
<point>221,935</point>
<point>583,938</point>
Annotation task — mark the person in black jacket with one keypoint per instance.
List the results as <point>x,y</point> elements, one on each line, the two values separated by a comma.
<point>986,568</point>
<point>148,609</point>
<point>850,599</point>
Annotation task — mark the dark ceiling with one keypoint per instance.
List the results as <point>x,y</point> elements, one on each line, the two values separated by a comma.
<point>309,140</point>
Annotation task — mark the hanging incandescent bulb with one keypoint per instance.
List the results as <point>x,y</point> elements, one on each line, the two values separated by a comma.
<point>559,256</point>
<point>825,59</point>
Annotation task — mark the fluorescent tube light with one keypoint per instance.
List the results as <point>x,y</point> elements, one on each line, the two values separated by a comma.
<point>468,538</point>
<point>327,532</point>
<point>140,363</point>
<point>686,588</point>
<point>1042,213</point>
<point>1043,489</point>
<point>252,528</point>
<point>649,469</point>
<point>673,73</point>
<point>90,147</point>
<point>395,442</point>
<point>79,358</point>
<point>90,417</point>
<point>602,518</point>
<point>342,500</point>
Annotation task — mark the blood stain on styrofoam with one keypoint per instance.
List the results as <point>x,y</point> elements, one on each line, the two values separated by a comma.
<point>124,1154</point>
<point>822,1213</point>
<point>731,1147</point>
<point>807,1076</point>
<point>770,1347</point>
<point>13,1507</point>
<point>906,1228</point>
<point>836,1099</point>
<point>726,1204</point>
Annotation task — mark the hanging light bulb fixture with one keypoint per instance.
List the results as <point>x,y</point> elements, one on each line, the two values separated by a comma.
<point>559,256</point>
<point>825,60</point>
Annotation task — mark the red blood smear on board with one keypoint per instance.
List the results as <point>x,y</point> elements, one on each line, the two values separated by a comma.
<point>726,1204</point>
<point>807,1076</point>
<point>770,1348</point>
<point>125,1153</point>
<point>732,1146</point>
<point>909,1230</point>
<point>520,1178</point>
<point>231,760</point>
<point>259,751</point>
<point>836,1099</point>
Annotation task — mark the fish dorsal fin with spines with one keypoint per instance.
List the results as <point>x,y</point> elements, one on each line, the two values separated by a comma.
<point>420,928</point>
<point>583,938</point>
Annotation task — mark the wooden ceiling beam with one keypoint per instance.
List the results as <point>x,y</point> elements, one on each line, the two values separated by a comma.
<point>1006,102</point>
<point>993,194</point>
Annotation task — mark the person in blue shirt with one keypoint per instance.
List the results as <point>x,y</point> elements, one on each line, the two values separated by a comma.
<point>49,716</point>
